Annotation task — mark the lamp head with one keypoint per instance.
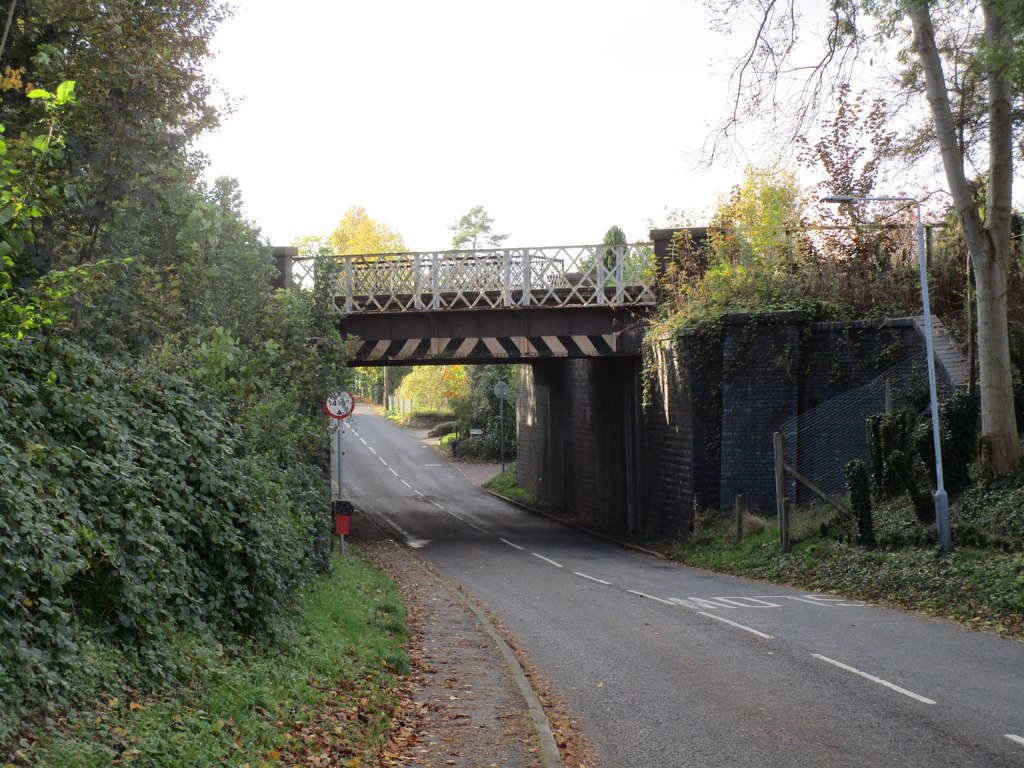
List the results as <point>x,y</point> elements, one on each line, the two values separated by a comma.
<point>840,199</point>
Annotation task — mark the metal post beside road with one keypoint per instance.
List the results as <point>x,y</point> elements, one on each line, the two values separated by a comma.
<point>941,499</point>
<point>340,406</point>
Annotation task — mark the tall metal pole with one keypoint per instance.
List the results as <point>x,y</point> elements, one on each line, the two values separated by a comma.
<point>941,499</point>
<point>341,462</point>
<point>501,415</point>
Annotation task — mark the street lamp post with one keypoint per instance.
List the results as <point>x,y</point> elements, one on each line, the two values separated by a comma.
<point>941,499</point>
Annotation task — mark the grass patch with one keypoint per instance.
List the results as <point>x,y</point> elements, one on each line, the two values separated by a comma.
<point>980,583</point>
<point>506,485</point>
<point>327,687</point>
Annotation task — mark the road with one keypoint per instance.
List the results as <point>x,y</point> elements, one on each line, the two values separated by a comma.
<point>670,666</point>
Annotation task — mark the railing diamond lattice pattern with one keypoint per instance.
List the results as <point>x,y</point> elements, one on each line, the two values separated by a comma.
<point>581,275</point>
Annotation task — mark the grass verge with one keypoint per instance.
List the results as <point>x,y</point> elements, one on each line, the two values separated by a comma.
<point>979,583</point>
<point>505,484</point>
<point>322,694</point>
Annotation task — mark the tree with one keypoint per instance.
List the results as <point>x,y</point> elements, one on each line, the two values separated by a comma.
<point>481,409</point>
<point>614,236</point>
<point>312,245</point>
<point>142,98</point>
<point>434,386</point>
<point>985,120</point>
<point>475,229</point>
<point>755,221</point>
<point>359,233</point>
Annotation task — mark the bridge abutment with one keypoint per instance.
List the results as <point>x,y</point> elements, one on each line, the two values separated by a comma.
<point>713,401</point>
<point>580,437</point>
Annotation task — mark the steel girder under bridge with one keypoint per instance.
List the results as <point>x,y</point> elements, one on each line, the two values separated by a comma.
<point>507,305</point>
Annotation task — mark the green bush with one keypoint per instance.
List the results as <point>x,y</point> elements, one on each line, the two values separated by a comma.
<point>442,429</point>
<point>428,419</point>
<point>890,444</point>
<point>958,419</point>
<point>131,509</point>
<point>481,409</point>
<point>858,485</point>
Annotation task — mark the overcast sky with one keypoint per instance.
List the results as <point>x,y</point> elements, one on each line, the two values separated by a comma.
<point>560,117</point>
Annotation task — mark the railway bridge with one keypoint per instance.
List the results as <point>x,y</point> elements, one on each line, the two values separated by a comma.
<point>499,305</point>
<point>574,315</point>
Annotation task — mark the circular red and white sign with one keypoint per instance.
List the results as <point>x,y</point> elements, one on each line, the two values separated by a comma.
<point>340,405</point>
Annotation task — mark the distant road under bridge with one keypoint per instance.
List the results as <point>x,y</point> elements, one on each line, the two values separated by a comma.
<point>496,305</point>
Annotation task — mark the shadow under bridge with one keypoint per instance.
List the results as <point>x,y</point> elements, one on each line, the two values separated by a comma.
<point>497,305</point>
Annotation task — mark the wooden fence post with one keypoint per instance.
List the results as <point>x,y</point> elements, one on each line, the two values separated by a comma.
<point>780,492</point>
<point>739,519</point>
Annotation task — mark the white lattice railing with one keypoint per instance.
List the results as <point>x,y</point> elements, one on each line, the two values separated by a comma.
<point>579,275</point>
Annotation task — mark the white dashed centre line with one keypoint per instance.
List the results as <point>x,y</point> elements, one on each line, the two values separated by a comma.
<point>506,541</point>
<point>592,578</point>
<point>1015,737</point>
<point>872,678</point>
<point>649,597</point>
<point>548,560</point>
<point>392,471</point>
<point>751,630</point>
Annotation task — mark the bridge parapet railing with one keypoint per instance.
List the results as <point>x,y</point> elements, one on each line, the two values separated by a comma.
<point>582,275</point>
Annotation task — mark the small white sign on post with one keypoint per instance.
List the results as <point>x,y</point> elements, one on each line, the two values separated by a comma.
<point>339,406</point>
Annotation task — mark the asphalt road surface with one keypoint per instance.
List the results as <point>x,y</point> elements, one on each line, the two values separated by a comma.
<point>670,666</point>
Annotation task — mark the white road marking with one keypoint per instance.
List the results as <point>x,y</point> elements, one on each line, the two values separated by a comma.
<point>745,602</point>
<point>436,504</point>
<point>761,601</point>
<point>696,603</point>
<point>371,449</point>
<point>433,465</point>
<point>381,460</point>
<point>650,597</point>
<point>406,484</point>
<point>506,541</point>
<point>822,601</point>
<point>1015,737</point>
<point>410,540</point>
<point>592,578</point>
<point>392,471</point>
<point>548,560</point>
<point>872,678</point>
<point>751,630</point>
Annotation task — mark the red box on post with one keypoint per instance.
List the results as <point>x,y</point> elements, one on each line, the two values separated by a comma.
<point>342,515</point>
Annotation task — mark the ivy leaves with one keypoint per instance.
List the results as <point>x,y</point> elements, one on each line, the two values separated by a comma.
<point>130,505</point>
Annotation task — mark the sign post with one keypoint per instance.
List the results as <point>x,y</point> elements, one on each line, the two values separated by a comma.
<point>501,391</point>
<point>340,406</point>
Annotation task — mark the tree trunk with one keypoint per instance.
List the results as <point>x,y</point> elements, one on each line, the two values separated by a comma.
<point>988,243</point>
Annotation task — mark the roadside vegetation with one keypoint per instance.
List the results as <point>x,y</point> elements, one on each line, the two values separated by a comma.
<point>772,246</point>
<point>326,688</point>
<point>506,484</point>
<point>979,583</point>
<point>457,404</point>
<point>163,505</point>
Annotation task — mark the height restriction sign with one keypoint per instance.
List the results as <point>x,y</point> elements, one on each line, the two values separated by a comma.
<point>340,405</point>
